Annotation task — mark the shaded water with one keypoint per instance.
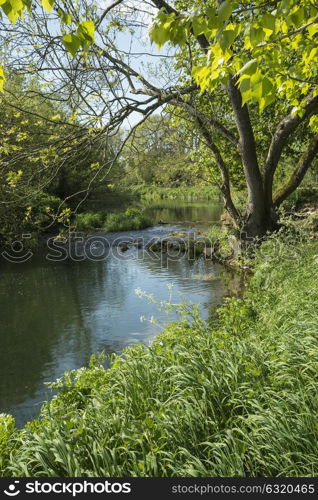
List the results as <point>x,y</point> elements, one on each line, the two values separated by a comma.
<point>54,315</point>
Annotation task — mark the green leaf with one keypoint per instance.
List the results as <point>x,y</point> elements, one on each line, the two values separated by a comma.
<point>256,35</point>
<point>249,68</point>
<point>12,10</point>
<point>297,17</point>
<point>17,5</point>
<point>268,22</point>
<point>245,88</point>
<point>65,17</point>
<point>86,31</point>
<point>159,35</point>
<point>312,30</point>
<point>199,25</point>
<point>225,10</point>
<point>267,86</point>
<point>72,43</point>
<point>266,101</point>
<point>48,5</point>
<point>213,21</point>
<point>226,39</point>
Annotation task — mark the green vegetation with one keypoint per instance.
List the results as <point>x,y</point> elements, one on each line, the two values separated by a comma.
<point>241,113</point>
<point>131,219</point>
<point>128,220</point>
<point>231,109</point>
<point>86,221</point>
<point>189,193</point>
<point>235,397</point>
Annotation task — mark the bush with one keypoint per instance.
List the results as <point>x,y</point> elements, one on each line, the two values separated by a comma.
<point>238,397</point>
<point>89,220</point>
<point>131,219</point>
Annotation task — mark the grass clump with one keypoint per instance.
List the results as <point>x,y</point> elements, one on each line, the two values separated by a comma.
<point>131,219</point>
<point>235,397</point>
<point>89,220</point>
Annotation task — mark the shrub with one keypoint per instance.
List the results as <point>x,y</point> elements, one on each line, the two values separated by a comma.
<point>131,219</point>
<point>89,220</point>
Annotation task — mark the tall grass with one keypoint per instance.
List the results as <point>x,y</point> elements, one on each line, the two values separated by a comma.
<point>130,219</point>
<point>89,220</point>
<point>238,396</point>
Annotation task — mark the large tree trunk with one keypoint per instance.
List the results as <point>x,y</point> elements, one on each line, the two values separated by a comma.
<point>258,215</point>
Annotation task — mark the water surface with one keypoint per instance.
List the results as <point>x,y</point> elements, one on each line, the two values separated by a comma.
<point>54,315</point>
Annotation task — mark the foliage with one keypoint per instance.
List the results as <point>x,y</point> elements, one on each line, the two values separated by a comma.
<point>269,47</point>
<point>302,197</point>
<point>49,162</point>
<point>180,193</point>
<point>83,37</point>
<point>131,219</point>
<point>159,154</point>
<point>7,433</point>
<point>220,241</point>
<point>89,220</point>
<point>231,59</point>
<point>237,397</point>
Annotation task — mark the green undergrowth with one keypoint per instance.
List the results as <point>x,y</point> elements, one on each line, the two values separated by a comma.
<point>189,193</point>
<point>130,219</point>
<point>237,396</point>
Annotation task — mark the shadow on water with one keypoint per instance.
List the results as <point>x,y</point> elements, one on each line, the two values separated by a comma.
<point>54,315</point>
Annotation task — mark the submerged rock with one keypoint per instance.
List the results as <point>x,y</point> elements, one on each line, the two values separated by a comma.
<point>123,247</point>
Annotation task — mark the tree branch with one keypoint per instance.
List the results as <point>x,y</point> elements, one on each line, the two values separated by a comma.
<point>298,174</point>
<point>285,128</point>
<point>208,120</point>
<point>104,14</point>
<point>174,99</point>
<point>226,186</point>
<point>161,4</point>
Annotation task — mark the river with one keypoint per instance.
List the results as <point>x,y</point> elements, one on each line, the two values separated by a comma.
<point>56,313</point>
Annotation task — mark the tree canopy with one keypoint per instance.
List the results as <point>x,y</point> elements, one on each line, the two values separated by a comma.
<point>242,74</point>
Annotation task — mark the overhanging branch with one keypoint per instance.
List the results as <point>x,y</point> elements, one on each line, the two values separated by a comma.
<point>285,128</point>
<point>299,173</point>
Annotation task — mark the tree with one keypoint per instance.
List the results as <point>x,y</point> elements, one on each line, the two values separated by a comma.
<point>234,65</point>
<point>48,161</point>
<point>159,153</point>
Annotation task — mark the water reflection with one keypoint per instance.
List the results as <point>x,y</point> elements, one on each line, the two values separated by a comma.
<point>53,316</point>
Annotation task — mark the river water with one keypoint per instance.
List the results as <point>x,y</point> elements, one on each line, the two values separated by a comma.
<point>55,313</point>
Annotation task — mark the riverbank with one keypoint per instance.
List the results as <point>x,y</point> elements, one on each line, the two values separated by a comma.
<point>237,396</point>
<point>122,218</point>
<point>186,193</point>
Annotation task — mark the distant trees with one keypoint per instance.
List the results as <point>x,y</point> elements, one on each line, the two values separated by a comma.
<point>159,153</point>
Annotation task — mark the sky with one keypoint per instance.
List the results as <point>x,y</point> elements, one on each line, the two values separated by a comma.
<point>146,55</point>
